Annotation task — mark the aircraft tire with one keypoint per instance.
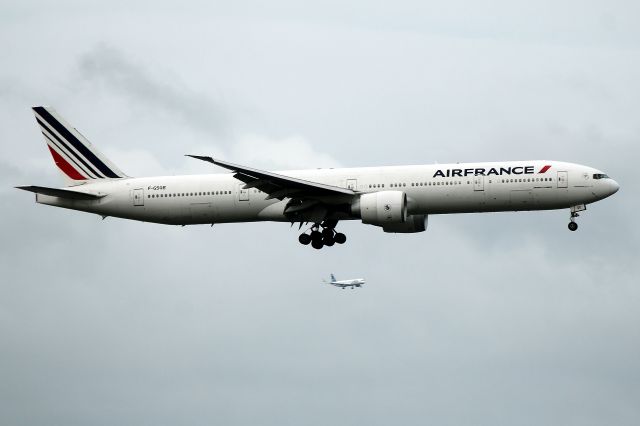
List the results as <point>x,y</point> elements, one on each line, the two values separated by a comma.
<point>340,238</point>
<point>304,239</point>
<point>573,226</point>
<point>317,244</point>
<point>328,241</point>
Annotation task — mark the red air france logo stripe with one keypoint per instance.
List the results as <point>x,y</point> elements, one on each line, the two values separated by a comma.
<point>544,169</point>
<point>64,165</point>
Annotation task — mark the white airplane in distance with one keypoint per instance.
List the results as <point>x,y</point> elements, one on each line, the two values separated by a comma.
<point>397,199</point>
<point>356,282</point>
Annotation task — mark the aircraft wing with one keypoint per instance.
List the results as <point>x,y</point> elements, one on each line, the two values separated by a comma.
<point>280,186</point>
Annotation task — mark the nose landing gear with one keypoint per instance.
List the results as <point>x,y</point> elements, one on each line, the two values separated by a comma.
<point>573,226</point>
<point>327,237</point>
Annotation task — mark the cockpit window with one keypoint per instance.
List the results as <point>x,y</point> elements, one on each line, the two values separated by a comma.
<point>600,176</point>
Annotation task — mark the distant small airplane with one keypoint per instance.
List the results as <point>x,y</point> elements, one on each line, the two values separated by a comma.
<point>356,282</point>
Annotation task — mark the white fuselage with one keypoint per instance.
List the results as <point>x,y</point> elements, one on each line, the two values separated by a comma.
<point>354,282</point>
<point>430,189</point>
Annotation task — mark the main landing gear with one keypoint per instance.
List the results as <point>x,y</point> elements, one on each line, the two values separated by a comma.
<point>318,239</point>
<point>573,226</point>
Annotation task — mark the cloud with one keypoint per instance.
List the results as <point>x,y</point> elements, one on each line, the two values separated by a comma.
<point>253,150</point>
<point>485,318</point>
<point>110,68</point>
<point>288,153</point>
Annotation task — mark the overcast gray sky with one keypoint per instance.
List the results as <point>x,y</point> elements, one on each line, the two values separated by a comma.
<point>489,319</point>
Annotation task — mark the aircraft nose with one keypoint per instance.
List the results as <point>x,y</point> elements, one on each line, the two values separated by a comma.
<point>613,186</point>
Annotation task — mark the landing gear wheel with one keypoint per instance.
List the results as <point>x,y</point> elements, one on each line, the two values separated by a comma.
<point>340,238</point>
<point>328,241</point>
<point>317,244</point>
<point>316,236</point>
<point>304,239</point>
<point>574,214</point>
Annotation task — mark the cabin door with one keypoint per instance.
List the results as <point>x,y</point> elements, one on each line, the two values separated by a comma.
<point>243,194</point>
<point>478,183</point>
<point>563,179</point>
<point>138,197</point>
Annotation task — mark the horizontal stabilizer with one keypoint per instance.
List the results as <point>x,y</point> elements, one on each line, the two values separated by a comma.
<point>61,193</point>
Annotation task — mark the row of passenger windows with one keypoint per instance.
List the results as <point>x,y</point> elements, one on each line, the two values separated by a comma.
<point>188,194</point>
<point>458,182</point>
<point>375,185</point>
<point>453,182</point>
<point>527,180</point>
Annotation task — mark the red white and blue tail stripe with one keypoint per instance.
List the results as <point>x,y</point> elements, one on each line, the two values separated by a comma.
<point>73,153</point>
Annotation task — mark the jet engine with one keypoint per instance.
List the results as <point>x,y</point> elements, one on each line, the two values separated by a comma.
<point>381,208</point>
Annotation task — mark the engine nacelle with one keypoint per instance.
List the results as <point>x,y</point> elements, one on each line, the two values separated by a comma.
<point>382,208</point>
<point>414,223</point>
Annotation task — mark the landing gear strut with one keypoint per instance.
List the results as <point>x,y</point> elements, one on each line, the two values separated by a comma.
<point>573,226</point>
<point>325,237</point>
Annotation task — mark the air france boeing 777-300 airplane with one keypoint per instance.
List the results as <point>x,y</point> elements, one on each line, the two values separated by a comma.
<point>396,198</point>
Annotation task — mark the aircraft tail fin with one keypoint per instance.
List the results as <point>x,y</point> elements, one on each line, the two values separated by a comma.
<point>75,156</point>
<point>333,278</point>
